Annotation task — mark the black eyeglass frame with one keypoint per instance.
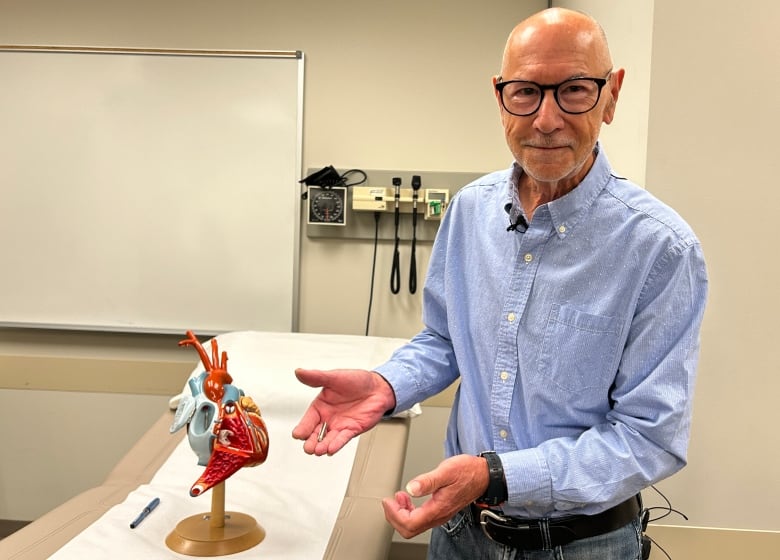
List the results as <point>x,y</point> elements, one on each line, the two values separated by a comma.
<point>600,82</point>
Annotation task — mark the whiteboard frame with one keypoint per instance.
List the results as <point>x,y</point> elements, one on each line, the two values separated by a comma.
<point>285,54</point>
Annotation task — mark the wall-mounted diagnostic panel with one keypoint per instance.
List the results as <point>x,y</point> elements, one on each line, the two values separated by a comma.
<point>369,209</point>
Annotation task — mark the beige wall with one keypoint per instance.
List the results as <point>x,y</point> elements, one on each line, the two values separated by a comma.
<point>372,71</point>
<point>712,153</point>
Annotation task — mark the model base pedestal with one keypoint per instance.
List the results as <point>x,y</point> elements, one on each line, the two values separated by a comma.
<point>195,535</point>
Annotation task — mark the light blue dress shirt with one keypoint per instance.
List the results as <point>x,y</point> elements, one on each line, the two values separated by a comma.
<point>575,341</point>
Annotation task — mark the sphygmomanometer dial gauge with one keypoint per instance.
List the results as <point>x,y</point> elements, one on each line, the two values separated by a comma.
<point>326,206</point>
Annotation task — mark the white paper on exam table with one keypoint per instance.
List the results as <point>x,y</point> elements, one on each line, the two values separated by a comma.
<point>294,496</point>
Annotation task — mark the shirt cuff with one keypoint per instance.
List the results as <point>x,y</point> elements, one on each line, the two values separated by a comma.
<point>402,383</point>
<point>528,482</point>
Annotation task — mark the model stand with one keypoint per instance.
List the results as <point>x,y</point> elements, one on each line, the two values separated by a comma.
<point>217,533</point>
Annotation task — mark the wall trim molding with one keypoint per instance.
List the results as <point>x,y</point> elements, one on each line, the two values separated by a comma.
<point>93,375</point>
<point>712,543</point>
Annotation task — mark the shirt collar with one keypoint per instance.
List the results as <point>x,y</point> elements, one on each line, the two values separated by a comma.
<point>569,210</point>
<point>512,202</point>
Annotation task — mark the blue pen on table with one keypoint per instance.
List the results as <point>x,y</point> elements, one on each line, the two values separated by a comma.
<point>146,511</point>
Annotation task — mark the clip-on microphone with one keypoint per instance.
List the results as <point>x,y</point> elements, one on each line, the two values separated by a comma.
<point>519,222</point>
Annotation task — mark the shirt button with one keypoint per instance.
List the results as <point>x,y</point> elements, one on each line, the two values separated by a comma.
<point>503,434</point>
<point>561,229</point>
<point>528,257</point>
<point>504,376</point>
<point>510,317</point>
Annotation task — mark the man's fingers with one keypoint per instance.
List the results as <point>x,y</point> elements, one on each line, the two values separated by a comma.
<point>311,377</point>
<point>336,440</point>
<point>308,424</point>
<point>398,507</point>
<point>332,441</point>
<point>402,515</point>
<point>403,500</point>
<point>422,485</point>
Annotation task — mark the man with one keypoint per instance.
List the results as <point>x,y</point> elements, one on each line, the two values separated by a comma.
<point>568,302</point>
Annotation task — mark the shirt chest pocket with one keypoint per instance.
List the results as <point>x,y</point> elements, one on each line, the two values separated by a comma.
<point>578,351</point>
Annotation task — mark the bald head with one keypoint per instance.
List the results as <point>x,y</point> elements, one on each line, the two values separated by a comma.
<point>564,51</point>
<point>552,35</point>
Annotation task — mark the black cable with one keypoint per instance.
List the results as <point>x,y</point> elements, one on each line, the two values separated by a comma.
<point>668,509</point>
<point>373,270</point>
<point>328,177</point>
<point>350,172</point>
<point>416,184</point>
<point>395,274</point>
<point>658,546</point>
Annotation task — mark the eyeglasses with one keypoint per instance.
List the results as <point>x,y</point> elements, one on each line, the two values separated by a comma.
<point>579,95</point>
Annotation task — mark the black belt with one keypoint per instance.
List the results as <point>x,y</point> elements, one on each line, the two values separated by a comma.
<point>529,534</point>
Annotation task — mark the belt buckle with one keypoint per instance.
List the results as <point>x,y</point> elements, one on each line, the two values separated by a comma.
<point>487,516</point>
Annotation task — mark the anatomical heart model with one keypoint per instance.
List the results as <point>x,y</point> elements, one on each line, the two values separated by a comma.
<point>224,426</point>
<point>226,432</point>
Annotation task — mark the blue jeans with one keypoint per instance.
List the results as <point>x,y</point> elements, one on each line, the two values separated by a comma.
<point>462,539</point>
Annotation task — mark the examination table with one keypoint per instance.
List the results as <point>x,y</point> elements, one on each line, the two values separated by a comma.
<point>346,522</point>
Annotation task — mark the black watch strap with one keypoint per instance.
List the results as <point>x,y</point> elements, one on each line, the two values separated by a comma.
<point>496,492</point>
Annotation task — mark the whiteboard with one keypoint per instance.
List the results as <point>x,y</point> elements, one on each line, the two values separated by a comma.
<point>151,191</point>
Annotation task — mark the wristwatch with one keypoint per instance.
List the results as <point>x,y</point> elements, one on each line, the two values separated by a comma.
<point>496,492</point>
